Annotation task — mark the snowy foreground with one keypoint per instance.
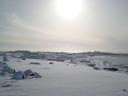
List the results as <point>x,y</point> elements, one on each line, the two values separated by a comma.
<point>63,79</point>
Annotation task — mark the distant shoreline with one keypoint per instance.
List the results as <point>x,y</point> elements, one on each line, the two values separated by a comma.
<point>99,53</point>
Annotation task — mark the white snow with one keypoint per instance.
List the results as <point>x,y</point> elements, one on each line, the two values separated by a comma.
<point>58,79</point>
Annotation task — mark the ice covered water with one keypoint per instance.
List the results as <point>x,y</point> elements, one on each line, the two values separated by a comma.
<point>113,59</point>
<point>120,62</point>
<point>65,78</point>
<point>58,79</point>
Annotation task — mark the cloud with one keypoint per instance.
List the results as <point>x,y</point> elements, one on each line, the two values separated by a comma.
<point>18,33</point>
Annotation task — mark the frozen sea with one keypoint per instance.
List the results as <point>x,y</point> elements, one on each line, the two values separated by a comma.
<point>63,79</point>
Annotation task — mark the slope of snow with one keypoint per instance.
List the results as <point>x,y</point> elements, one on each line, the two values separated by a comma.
<point>63,79</point>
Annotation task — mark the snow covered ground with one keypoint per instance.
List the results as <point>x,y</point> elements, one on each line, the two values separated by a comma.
<point>63,79</point>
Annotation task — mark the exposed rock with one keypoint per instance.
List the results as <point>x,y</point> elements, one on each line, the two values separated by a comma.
<point>84,61</point>
<point>50,62</point>
<point>111,69</point>
<point>23,58</point>
<point>96,68</point>
<point>124,90</point>
<point>31,74</point>
<point>36,75</point>
<point>7,85</point>
<point>92,65</point>
<point>35,63</point>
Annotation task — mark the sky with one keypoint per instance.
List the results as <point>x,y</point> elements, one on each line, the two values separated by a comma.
<point>69,26</point>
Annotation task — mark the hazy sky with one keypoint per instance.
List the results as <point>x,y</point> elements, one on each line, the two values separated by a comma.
<point>41,25</point>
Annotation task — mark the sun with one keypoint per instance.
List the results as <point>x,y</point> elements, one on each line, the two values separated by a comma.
<point>68,9</point>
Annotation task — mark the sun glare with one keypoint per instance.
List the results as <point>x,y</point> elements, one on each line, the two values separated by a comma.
<point>68,9</point>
